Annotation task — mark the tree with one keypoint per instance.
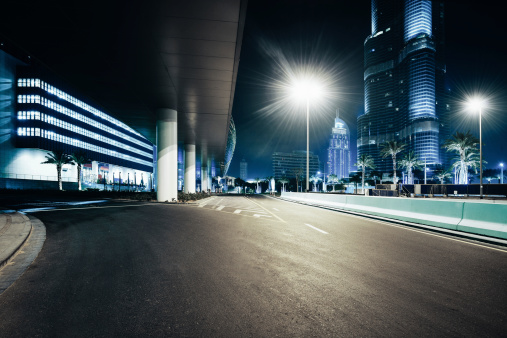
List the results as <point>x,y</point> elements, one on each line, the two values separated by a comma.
<point>465,144</point>
<point>410,161</point>
<point>257,180</point>
<point>490,174</point>
<point>284,181</point>
<point>364,161</point>
<point>298,173</point>
<point>392,148</point>
<point>79,158</point>
<point>355,179</point>
<point>463,166</point>
<point>315,180</point>
<point>442,174</point>
<point>58,158</point>
<point>333,179</point>
<point>375,174</point>
<point>268,179</point>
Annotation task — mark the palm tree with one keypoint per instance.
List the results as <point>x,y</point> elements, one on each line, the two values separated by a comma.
<point>465,144</point>
<point>469,161</point>
<point>355,179</point>
<point>442,174</point>
<point>257,180</point>
<point>333,179</point>
<point>410,161</point>
<point>364,161</point>
<point>392,148</point>
<point>79,158</point>
<point>315,180</point>
<point>58,158</point>
<point>298,173</point>
<point>284,181</point>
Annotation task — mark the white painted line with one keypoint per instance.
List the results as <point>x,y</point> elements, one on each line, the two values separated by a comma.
<point>311,226</point>
<point>202,205</point>
<point>237,211</point>
<point>220,207</point>
<point>276,209</point>
<point>257,215</point>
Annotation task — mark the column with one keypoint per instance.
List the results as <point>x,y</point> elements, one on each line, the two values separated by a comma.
<point>204,178</point>
<point>167,155</point>
<point>189,179</point>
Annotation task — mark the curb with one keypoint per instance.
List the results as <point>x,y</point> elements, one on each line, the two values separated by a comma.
<point>4,258</point>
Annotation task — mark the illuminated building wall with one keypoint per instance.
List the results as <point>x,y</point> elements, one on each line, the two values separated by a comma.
<point>284,164</point>
<point>42,116</point>
<point>404,81</point>
<point>339,150</point>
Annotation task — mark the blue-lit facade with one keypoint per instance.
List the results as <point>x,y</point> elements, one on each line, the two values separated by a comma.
<point>339,150</point>
<point>404,79</point>
<point>42,115</point>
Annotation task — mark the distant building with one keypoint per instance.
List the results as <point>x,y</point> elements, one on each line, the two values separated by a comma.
<point>284,164</point>
<point>338,153</point>
<point>243,169</point>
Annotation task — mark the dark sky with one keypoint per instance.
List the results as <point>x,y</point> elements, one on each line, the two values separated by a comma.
<point>331,33</point>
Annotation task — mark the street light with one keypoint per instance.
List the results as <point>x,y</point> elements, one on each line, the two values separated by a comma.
<point>307,88</point>
<point>477,104</point>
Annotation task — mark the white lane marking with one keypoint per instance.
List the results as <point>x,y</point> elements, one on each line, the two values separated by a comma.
<point>202,205</point>
<point>257,215</point>
<point>237,211</point>
<point>311,226</point>
<point>281,220</point>
<point>276,209</point>
<point>220,207</point>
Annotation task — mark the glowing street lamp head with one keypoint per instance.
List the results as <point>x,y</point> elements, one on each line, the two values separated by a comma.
<point>306,88</point>
<point>476,103</point>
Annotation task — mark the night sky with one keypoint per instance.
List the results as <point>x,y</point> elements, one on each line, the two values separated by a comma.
<point>331,34</point>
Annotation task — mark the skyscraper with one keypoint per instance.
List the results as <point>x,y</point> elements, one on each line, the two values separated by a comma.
<point>243,169</point>
<point>404,72</point>
<point>338,153</point>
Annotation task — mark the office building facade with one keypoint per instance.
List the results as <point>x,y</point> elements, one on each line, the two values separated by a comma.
<point>285,164</point>
<point>404,77</point>
<point>42,115</point>
<point>338,153</point>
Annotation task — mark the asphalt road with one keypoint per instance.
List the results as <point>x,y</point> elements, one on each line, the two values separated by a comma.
<point>239,266</point>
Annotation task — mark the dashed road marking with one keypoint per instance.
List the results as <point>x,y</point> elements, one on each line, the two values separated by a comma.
<point>276,209</point>
<point>220,207</point>
<point>314,228</point>
<point>237,211</point>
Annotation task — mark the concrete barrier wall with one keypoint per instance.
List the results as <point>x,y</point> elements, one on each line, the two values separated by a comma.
<point>474,217</point>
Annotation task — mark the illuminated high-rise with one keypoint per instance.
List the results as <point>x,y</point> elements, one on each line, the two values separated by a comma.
<point>338,153</point>
<point>404,75</point>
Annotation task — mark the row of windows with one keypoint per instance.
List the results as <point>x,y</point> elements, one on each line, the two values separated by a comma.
<point>35,115</point>
<point>78,143</point>
<point>69,112</point>
<point>37,83</point>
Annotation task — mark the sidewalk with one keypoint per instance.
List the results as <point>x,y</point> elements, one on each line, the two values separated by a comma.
<point>14,231</point>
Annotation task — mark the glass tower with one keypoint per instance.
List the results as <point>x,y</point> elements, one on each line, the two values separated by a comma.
<point>338,153</point>
<point>404,76</point>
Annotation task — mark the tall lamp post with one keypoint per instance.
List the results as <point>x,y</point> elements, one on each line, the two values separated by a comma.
<point>501,173</point>
<point>308,89</point>
<point>478,104</point>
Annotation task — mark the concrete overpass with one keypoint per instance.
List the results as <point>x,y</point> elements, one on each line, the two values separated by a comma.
<point>171,64</point>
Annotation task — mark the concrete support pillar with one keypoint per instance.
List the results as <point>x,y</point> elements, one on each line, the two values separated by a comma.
<point>189,180</point>
<point>167,155</point>
<point>204,179</point>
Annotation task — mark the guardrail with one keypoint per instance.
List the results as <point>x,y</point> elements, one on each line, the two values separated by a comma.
<point>483,218</point>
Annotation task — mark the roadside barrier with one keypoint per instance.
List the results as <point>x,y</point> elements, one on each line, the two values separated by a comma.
<point>480,218</point>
